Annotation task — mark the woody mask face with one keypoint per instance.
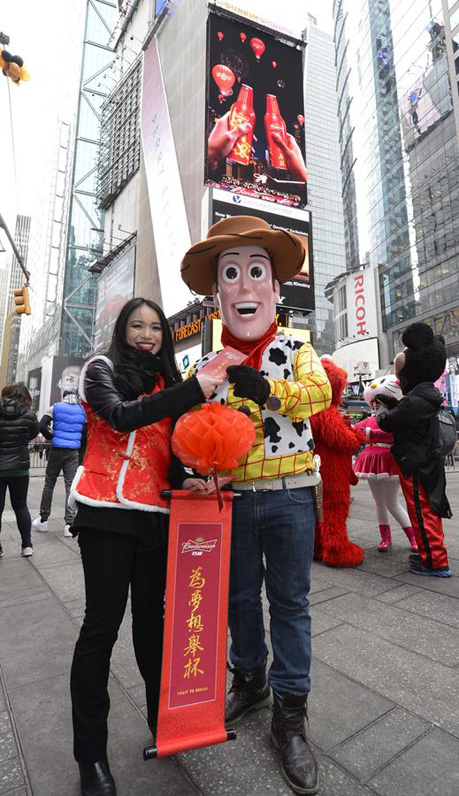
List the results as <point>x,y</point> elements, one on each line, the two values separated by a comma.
<point>246,293</point>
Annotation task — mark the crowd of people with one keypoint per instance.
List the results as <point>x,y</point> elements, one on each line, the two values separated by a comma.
<point>129,399</point>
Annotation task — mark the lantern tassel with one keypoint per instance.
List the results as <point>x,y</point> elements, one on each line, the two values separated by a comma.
<point>217,489</point>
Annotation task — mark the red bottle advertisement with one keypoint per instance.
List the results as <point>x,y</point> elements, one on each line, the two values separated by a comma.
<point>240,113</point>
<point>274,123</point>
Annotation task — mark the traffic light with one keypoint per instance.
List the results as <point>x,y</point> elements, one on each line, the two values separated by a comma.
<point>21,300</point>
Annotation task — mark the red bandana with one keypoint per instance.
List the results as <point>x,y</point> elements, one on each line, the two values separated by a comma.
<point>253,348</point>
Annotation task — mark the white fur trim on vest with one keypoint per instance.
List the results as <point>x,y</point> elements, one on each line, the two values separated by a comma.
<point>85,367</point>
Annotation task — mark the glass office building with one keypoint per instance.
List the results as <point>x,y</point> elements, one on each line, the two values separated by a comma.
<point>346,134</point>
<point>408,148</point>
<point>324,178</point>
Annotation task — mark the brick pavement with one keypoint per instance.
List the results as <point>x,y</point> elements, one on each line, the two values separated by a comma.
<point>384,709</point>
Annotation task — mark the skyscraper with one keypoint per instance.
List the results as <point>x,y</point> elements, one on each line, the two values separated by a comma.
<point>12,324</point>
<point>324,177</point>
<point>408,159</point>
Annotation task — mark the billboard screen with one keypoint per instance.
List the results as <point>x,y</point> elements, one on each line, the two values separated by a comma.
<point>255,114</point>
<point>297,294</point>
<point>65,376</point>
<point>34,386</point>
<point>114,288</point>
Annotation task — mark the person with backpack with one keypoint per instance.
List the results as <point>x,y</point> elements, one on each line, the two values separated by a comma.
<point>420,440</point>
<point>63,424</point>
<point>18,426</point>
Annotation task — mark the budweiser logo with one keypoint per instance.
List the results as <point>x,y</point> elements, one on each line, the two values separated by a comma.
<point>198,546</point>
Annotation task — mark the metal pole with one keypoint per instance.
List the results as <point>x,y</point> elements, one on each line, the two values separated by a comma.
<point>16,252</point>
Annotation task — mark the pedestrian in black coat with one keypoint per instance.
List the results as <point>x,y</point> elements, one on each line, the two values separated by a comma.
<point>18,426</point>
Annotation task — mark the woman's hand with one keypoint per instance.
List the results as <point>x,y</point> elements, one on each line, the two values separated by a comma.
<point>208,384</point>
<point>194,485</point>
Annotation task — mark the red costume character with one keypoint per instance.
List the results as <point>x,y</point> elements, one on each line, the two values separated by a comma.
<point>335,442</point>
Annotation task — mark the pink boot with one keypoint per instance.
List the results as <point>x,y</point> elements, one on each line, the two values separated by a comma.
<point>386,539</point>
<point>411,538</point>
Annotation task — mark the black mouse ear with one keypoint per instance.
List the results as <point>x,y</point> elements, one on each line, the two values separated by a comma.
<point>418,335</point>
<point>17,60</point>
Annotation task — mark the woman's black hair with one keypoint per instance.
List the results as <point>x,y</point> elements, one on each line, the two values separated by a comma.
<point>19,391</point>
<point>135,371</point>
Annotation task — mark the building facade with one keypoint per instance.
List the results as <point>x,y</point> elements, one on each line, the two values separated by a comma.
<point>324,178</point>
<point>167,218</point>
<point>84,241</point>
<point>346,108</point>
<point>12,322</point>
<point>407,133</point>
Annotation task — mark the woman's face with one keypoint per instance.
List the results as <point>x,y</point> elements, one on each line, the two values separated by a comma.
<point>143,329</point>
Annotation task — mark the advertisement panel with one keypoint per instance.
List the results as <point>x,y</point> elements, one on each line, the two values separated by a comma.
<point>426,102</point>
<point>114,288</point>
<point>255,114</point>
<point>34,386</point>
<point>168,212</point>
<point>298,293</point>
<point>361,305</point>
<point>65,376</point>
<point>360,359</point>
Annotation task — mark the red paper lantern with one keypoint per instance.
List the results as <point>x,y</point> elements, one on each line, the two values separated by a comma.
<point>220,35</point>
<point>242,37</point>
<point>213,438</point>
<point>274,64</point>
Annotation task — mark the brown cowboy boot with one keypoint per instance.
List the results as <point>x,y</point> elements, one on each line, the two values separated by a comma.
<point>288,734</point>
<point>247,693</point>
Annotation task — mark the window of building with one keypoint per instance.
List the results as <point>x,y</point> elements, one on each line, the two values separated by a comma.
<point>119,155</point>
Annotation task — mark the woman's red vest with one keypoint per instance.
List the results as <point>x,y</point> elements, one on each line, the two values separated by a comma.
<point>124,469</point>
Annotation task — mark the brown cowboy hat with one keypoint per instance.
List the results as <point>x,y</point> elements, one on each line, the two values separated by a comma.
<point>286,250</point>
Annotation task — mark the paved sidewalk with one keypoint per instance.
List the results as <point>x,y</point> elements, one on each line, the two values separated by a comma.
<point>384,711</point>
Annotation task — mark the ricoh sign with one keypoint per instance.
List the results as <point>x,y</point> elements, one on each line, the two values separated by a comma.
<point>361,305</point>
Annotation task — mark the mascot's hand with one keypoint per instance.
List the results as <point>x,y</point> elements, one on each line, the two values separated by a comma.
<point>388,400</point>
<point>249,383</point>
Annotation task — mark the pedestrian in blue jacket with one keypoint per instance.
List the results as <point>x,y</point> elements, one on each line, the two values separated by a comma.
<point>63,424</point>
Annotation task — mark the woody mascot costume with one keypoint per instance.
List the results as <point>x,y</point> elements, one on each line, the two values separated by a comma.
<point>282,383</point>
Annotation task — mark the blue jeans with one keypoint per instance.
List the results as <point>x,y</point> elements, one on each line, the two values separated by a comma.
<point>279,525</point>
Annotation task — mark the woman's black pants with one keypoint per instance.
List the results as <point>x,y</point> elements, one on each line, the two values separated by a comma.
<point>112,562</point>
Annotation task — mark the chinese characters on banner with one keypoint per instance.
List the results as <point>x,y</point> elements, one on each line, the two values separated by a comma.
<point>194,637</point>
<point>193,679</point>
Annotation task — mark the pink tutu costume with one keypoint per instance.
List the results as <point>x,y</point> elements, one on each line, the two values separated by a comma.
<point>377,465</point>
<point>375,461</point>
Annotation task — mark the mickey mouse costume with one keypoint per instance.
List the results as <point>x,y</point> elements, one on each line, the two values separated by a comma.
<point>422,475</point>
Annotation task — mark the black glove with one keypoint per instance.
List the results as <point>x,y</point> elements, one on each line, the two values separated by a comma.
<point>387,400</point>
<point>249,383</point>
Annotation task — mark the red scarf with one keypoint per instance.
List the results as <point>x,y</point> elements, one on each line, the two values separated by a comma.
<point>253,348</point>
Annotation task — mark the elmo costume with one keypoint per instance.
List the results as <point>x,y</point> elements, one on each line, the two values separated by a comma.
<point>335,442</point>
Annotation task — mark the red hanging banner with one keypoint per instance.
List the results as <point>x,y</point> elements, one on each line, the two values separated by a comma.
<point>193,680</point>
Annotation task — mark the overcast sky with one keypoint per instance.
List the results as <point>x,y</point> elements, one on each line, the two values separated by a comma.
<point>48,37</point>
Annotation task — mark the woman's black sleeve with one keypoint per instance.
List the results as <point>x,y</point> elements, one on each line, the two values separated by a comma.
<point>102,394</point>
<point>33,427</point>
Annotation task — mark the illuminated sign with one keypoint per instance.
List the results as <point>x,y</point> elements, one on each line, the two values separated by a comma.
<point>192,328</point>
<point>255,140</point>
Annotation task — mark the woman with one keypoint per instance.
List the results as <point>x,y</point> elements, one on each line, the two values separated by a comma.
<point>131,397</point>
<point>377,465</point>
<point>18,426</point>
